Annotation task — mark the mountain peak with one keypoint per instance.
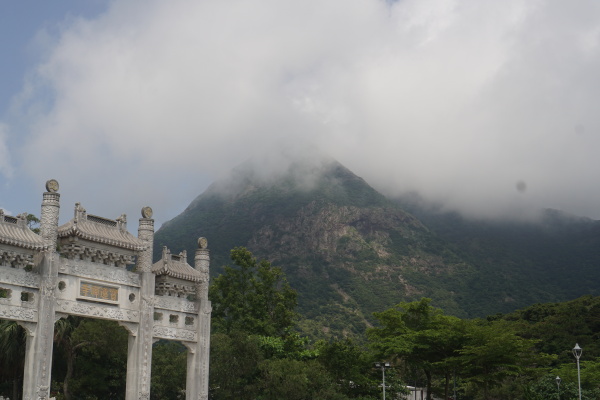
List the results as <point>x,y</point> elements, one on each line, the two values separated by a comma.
<point>317,176</point>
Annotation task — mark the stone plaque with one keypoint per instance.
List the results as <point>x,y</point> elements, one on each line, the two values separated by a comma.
<point>97,292</point>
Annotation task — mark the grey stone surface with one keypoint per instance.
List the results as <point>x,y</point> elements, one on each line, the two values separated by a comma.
<point>88,278</point>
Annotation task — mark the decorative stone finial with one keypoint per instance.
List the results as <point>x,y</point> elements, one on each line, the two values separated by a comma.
<point>202,243</point>
<point>146,212</point>
<point>52,185</point>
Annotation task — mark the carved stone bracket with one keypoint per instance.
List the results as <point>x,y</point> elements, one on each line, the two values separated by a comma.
<point>191,346</point>
<point>29,327</point>
<point>131,327</point>
<point>60,315</point>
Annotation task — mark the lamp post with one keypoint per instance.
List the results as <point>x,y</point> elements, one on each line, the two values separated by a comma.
<point>558,386</point>
<point>577,353</point>
<point>383,366</point>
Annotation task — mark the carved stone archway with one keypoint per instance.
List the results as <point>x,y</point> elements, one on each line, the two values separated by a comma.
<point>82,268</point>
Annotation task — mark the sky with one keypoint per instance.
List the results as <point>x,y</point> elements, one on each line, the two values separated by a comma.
<point>490,108</point>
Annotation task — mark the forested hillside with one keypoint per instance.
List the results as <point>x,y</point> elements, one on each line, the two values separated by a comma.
<point>552,258</point>
<point>349,251</point>
<point>345,248</point>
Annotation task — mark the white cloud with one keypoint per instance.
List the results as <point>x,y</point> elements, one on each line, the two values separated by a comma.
<point>459,100</point>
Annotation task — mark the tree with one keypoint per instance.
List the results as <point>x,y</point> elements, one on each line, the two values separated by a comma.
<point>253,313</point>
<point>169,360</point>
<point>33,222</point>
<point>12,349</point>
<point>254,297</point>
<point>296,380</point>
<point>97,350</point>
<point>63,331</point>
<point>351,367</point>
<point>494,353</point>
<point>422,337</point>
<point>234,360</point>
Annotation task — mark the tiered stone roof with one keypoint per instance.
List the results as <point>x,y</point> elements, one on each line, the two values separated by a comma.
<point>15,232</point>
<point>176,266</point>
<point>100,230</point>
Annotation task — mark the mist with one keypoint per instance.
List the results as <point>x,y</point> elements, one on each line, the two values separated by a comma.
<point>487,107</point>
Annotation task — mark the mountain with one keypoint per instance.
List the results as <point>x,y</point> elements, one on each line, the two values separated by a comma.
<point>349,251</point>
<point>346,249</point>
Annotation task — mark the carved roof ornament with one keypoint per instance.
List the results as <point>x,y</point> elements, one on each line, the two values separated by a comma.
<point>176,266</point>
<point>52,185</point>
<point>202,243</point>
<point>100,230</point>
<point>147,212</point>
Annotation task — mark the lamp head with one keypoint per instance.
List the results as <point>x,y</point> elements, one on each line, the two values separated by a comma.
<point>577,351</point>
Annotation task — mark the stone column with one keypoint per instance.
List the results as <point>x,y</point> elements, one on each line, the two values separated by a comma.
<point>198,360</point>
<point>139,353</point>
<point>39,345</point>
<point>49,215</point>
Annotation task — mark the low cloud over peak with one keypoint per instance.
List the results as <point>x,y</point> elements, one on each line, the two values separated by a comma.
<point>464,102</point>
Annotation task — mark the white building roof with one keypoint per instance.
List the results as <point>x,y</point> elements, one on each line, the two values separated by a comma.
<point>100,230</point>
<point>176,266</point>
<point>15,232</point>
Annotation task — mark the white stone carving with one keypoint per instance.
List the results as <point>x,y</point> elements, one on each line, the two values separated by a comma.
<point>99,271</point>
<point>96,311</point>
<point>176,304</point>
<point>17,313</point>
<point>16,260</point>
<point>174,334</point>
<point>19,277</point>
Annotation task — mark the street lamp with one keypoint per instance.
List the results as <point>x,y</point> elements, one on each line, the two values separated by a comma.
<point>558,386</point>
<point>383,366</point>
<point>577,353</point>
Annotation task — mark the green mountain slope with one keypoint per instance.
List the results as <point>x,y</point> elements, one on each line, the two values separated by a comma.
<point>347,249</point>
<point>556,258</point>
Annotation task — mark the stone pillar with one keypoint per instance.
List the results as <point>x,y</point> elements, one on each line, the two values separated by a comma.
<point>198,359</point>
<point>49,215</point>
<point>146,233</point>
<point>139,353</point>
<point>39,345</point>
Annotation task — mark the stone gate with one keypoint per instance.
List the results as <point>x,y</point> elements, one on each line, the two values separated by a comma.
<point>93,267</point>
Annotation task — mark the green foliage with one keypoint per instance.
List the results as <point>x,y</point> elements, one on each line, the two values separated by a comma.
<point>493,353</point>
<point>546,388</point>
<point>296,380</point>
<point>351,367</point>
<point>558,326</point>
<point>33,223</point>
<point>234,361</point>
<point>253,297</point>
<point>169,365</point>
<point>98,350</point>
<point>422,337</point>
<point>12,350</point>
